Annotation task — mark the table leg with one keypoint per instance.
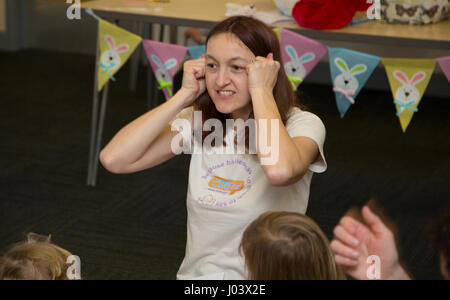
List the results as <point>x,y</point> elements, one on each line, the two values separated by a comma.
<point>134,64</point>
<point>173,34</point>
<point>151,82</point>
<point>94,118</point>
<point>100,132</point>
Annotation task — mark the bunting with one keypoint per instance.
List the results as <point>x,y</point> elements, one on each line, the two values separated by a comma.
<point>196,51</point>
<point>277,31</point>
<point>165,60</point>
<point>444,63</point>
<point>116,47</point>
<point>350,71</point>
<point>408,79</point>
<point>300,55</point>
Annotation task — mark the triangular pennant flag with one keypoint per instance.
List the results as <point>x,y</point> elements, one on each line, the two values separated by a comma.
<point>116,46</point>
<point>196,51</point>
<point>300,55</point>
<point>444,63</point>
<point>408,79</point>
<point>165,60</point>
<point>350,71</point>
<point>277,31</point>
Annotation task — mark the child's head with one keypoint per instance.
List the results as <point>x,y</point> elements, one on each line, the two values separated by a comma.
<point>35,259</point>
<point>288,246</point>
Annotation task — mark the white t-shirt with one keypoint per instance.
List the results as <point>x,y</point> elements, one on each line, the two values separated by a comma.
<point>227,192</point>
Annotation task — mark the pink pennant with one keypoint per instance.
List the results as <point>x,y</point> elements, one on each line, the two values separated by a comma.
<point>165,60</point>
<point>444,63</point>
<point>300,54</point>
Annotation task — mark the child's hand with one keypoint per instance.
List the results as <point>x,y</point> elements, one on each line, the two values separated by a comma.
<point>354,242</point>
<point>194,79</point>
<point>262,73</point>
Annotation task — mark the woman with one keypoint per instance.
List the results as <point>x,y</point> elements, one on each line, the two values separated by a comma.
<point>239,78</point>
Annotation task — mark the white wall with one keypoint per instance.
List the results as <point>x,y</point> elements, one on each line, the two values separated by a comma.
<point>2,15</point>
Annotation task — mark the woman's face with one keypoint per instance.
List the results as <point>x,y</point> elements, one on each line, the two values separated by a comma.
<point>226,75</point>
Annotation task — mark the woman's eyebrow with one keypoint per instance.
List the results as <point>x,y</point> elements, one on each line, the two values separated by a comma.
<point>238,58</point>
<point>211,57</point>
<point>230,60</point>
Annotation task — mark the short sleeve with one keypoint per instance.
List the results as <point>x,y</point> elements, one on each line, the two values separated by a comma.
<point>185,114</point>
<point>305,124</point>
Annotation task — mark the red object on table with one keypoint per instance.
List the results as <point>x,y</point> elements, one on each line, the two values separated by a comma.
<point>327,14</point>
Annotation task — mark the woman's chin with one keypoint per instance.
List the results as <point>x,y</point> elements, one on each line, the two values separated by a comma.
<point>223,108</point>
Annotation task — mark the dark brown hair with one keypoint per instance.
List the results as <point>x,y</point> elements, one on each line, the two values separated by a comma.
<point>261,40</point>
<point>288,246</point>
<point>440,236</point>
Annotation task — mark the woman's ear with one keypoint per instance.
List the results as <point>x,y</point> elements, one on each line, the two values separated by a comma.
<point>270,56</point>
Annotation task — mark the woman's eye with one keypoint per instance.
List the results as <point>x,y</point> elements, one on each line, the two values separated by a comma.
<point>237,68</point>
<point>211,66</point>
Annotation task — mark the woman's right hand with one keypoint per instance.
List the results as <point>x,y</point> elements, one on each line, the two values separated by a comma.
<point>193,79</point>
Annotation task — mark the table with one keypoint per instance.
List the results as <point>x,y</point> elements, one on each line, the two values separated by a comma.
<point>206,13</point>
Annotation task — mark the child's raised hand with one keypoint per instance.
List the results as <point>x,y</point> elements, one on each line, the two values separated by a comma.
<point>354,242</point>
<point>262,73</point>
<point>194,79</point>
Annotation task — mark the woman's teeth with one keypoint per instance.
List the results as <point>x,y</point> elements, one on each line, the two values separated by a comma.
<point>226,93</point>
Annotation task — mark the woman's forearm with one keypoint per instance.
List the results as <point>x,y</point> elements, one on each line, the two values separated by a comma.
<point>280,152</point>
<point>132,141</point>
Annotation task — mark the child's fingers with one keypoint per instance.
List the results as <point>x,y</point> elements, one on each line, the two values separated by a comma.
<point>375,223</point>
<point>343,250</point>
<point>345,262</point>
<point>344,236</point>
<point>350,224</point>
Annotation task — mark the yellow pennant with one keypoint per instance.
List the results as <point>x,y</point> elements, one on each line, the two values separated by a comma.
<point>408,79</point>
<point>116,46</point>
<point>278,33</point>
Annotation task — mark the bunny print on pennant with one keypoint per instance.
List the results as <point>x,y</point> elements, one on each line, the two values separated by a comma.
<point>407,96</point>
<point>295,69</point>
<point>110,60</point>
<point>346,83</point>
<point>162,73</point>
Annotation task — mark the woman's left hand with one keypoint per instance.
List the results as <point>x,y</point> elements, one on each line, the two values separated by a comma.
<point>262,73</point>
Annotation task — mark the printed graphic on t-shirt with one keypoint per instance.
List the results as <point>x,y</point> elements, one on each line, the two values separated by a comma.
<point>207,200</point>
<point>226,192</point>
<point>225,185</point>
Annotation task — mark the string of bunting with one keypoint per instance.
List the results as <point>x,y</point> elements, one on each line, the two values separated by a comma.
<point>349,69</point>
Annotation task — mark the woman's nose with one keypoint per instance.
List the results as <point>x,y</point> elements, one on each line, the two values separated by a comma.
<point>223,78</point>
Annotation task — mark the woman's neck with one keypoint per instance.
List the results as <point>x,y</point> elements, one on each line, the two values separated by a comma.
<point>243,113</point>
